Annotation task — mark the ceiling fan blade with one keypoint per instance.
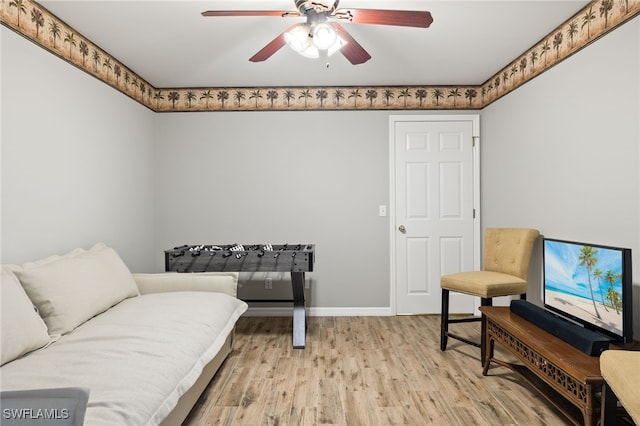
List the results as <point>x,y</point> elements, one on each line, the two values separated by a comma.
<point>402,18</point>
<point>280,13</point>
<point>272,47</point>
<point>352,50</point>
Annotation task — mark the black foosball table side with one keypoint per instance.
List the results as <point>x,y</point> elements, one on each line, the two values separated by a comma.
<point>297,259</point>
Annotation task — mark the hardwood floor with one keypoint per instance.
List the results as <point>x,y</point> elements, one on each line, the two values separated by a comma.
<point>364,371</point>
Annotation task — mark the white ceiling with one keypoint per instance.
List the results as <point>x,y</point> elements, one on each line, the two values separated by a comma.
<point>169,43</point>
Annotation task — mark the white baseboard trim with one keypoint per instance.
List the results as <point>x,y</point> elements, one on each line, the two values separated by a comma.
<point>283,311</point>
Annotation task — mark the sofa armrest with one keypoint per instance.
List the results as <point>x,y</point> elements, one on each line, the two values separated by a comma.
<point>220,282</point>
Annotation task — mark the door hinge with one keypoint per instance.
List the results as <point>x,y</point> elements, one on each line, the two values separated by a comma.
<point>474,213</point>
<point>475,139</point>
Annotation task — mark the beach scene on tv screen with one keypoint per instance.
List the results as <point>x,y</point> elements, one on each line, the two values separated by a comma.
<point>584,281</point>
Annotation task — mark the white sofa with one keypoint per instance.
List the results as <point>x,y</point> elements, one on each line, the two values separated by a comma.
<point>144,345</point>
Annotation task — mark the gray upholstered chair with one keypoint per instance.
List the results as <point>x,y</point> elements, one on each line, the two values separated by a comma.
<point>507,254</point>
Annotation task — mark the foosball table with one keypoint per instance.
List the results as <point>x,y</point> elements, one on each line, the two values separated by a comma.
<point>294,258</point>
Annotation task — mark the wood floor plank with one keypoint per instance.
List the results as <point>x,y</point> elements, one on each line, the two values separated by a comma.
<point>220,416</point>
<point>363,371</point>
<point>237,383</point>
<point>253,403</point>
<point>358,408</point>
<point>433,410</point>
<point>277,409</point>
<point>331,408</point>
<point>307,387</point>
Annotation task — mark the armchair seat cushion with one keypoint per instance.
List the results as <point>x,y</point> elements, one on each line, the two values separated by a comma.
<point>483,283</point>
<point>620,370</point>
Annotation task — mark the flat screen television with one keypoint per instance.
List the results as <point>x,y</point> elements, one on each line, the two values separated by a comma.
<point>591,285</point>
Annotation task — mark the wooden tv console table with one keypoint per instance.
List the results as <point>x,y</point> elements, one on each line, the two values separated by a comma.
<point>567,377</point>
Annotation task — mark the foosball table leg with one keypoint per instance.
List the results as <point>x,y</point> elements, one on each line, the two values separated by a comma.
<point>299,315</point>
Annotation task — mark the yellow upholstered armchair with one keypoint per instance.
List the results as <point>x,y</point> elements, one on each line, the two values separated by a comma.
<point>507,254</point>
<point>621,373</point>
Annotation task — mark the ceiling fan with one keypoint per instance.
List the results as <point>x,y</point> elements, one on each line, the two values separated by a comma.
<point>322,32</point>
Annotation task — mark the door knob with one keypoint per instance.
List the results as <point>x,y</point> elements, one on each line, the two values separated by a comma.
<point>402,229</point>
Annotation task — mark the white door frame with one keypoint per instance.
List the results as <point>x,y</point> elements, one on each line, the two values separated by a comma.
<point>393,119</point>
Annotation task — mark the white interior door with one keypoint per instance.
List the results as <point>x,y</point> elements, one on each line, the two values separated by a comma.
<point>435,218</point>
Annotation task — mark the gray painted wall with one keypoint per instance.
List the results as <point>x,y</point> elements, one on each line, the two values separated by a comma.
<point>74,171</point>
<point>562,153</point>
<point>296,177</point>
<point>285,177</point>
<point>304,176</point>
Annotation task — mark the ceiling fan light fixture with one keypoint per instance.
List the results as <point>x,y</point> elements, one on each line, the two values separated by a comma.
<point>310,41</point>
<point>324,36</point>
<point>310,52</point>
<point>298,38</point>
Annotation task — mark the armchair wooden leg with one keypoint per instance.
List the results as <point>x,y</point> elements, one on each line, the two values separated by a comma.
<point>608,407</point>
<point>444,320</point>
<point>484,301</point>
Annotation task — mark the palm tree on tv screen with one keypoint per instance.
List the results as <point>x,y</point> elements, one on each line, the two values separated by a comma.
<point>597,274</point>
<point>588,258</point>
<point>612,295</point>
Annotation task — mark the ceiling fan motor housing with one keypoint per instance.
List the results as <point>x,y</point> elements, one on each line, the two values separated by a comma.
<point>306,6</point>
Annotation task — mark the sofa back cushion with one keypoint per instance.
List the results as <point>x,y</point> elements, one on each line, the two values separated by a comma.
<point>68,290</point>
<point>22,329</point>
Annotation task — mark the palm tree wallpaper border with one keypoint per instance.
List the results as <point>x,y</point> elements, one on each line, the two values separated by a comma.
<point>37,24</point>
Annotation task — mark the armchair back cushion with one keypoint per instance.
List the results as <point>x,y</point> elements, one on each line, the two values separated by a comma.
<point>508,250</point>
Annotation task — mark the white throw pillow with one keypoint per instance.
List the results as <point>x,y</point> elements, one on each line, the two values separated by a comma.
<point>73,288</point>
<point>22,329</point>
